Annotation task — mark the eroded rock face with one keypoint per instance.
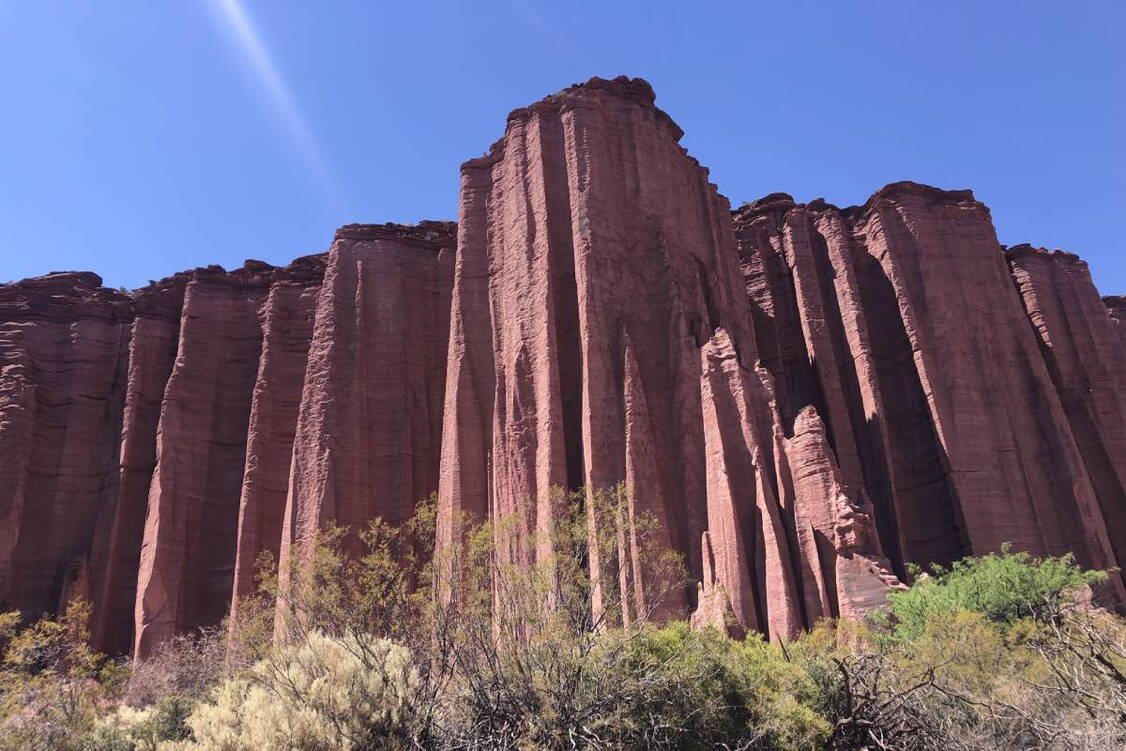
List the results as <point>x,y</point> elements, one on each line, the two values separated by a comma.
<point>188,553</point>
<point>63,356</point>
<point>598,256</point>
<point>1116,307</point>
<point>916,350</point>
<point>805,398</point>
<point>287,328</point>
<point>1083,352</point>
<point>369,430</point>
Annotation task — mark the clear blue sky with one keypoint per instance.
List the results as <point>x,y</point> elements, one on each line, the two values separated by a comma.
<point>141,137</point>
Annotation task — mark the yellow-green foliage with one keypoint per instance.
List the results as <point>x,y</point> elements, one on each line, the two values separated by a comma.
<point>704,689</point>
<point>52,686</point>
<point>321,694</point>
<point>557,636</point>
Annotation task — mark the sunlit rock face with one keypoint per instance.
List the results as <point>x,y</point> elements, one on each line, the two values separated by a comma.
<point>806,398</point>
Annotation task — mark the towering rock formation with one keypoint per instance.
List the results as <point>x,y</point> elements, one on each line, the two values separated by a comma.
<point>369,430</point>
<point>63,354</point>
<point>152,351</point>
<point>622,348</point>
<point>1087,363</point>
<point>187,557</point>
<point>805,398</point>
<point>915,347</point>
<point>287,329</point>
<point>587,196</point>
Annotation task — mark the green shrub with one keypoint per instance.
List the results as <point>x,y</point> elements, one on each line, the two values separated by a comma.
<point>702,689</point>
<point>1003,587</point>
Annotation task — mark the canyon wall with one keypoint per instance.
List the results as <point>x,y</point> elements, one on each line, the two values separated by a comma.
<point>806,398</point>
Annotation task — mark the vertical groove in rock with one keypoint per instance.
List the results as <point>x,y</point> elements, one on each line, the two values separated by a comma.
<point>63,352</point>
<point>188,553</point>
<point>995,409</point>
<point>463,487</point>
<point>834,527</point>
<point>915,351</point>
<point>152,352</point>
<point>751,556</point>
<point>1087,364</point>
<point>369,428</point>
<point>287,328</point>
<point>651,245</point>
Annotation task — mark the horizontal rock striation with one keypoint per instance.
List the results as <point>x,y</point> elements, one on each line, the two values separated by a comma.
<point>806,398</point>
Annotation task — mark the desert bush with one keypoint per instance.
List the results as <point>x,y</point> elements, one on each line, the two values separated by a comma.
<point>965,682</point>
<point>322,694</point>
<point>696,689</point>
<point>53,686</point>
<point>185,667</point>
<point>562,633</point>
<point>1003,587</point>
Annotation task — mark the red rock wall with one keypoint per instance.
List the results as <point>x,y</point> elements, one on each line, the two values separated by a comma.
<point>369,430</point>
<point>287,329</point>
<point>152,352</point>
<point>187,557</point>
<point>1084,355</point>
<point>63,356</point>
<point>621,349</point>
<point>1116,307</point>
<point>588,195</point>
<point>938,402</point>
<point>806,398</point>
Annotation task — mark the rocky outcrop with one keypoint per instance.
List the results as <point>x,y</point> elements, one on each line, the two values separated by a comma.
<point>153,340</point>
<point>370,422</point>
<point>287,329</point>
<point>187,557</point>
<point>589,194</point>
<point>63,356</point>
<point>1081,347</point>
<point>805,398</point>
<point>916,350</point>
<point>1116,307</point>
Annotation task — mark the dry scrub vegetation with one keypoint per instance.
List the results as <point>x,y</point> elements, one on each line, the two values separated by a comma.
<point>508,641</point>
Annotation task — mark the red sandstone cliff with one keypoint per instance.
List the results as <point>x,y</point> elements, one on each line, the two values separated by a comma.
<point>807,398</point>
<point>622,347</point>
<point>899,321</point>
<point>1084,355</point>
<point>63,355</point>
<point>369,429</point>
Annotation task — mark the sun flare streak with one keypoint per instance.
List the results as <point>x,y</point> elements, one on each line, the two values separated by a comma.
<point>235,22</point>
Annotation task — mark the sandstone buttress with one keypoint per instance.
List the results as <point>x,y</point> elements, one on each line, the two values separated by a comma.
<point>807,398</point>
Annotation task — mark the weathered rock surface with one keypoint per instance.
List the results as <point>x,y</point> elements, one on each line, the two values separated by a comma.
<point>152,351</point>
<point>369,430</point>
<point>588,196</point>
<point>1116,307</point>
<point>63,355</point>
<point>187,557</point>
<point>805,398</point>
<point>900,323</point>
<point>1087,363</point>
<point>597,254</point>
<point>287,329</point>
